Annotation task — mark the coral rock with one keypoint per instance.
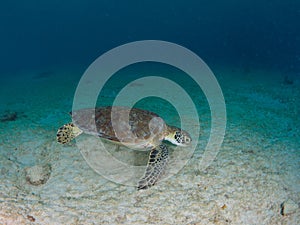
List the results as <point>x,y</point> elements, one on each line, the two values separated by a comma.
<point>288,207</point>
<point>38,174</point>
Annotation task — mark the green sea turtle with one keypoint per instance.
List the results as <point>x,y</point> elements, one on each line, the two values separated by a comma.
<point>135,128</point>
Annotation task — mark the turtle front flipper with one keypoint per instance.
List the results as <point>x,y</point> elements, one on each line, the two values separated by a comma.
<point>67,133</point>
<point>157,162</point>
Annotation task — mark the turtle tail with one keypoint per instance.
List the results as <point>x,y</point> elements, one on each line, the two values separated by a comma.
<point>67,133</point>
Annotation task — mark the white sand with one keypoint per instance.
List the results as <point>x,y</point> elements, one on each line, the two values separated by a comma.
<point>255,171</point>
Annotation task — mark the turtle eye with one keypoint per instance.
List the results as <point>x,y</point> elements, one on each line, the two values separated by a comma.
<point>187,140</point>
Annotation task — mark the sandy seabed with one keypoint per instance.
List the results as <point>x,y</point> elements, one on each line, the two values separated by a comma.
<point>255,171</point>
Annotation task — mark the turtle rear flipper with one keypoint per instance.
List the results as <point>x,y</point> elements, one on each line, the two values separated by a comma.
<point>157,162</point>
<point>67,132</point>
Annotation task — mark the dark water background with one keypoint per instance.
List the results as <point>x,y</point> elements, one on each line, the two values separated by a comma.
<point>257,33</point>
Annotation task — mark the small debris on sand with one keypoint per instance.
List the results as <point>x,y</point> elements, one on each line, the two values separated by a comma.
<point>288,207</point>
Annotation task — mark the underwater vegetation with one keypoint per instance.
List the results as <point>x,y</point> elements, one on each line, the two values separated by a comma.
<point>287,80</point>
<point>8,116</point>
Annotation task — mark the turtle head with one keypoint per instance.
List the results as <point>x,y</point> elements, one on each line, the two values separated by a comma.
<point>178,137</point>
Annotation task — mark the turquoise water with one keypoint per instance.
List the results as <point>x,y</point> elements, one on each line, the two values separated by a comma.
<point>251,48</point>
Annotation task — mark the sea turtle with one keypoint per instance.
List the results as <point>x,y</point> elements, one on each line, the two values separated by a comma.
<point>135,128</point>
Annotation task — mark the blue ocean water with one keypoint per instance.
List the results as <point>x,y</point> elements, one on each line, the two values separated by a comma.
<point>249,33</point>
<point>253,49</point>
